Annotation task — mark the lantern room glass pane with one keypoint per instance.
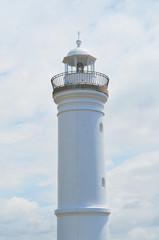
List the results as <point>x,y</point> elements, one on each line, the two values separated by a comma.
<point>71,68</point>
<point>66,67</point>
<point>92,66</point>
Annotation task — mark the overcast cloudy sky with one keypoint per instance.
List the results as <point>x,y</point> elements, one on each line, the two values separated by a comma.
<point>35,35</point>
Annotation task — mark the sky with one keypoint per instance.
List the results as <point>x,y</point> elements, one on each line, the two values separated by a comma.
<point>35,35</point>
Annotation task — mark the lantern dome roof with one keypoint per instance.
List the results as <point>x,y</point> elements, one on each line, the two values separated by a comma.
<point>78,51</point>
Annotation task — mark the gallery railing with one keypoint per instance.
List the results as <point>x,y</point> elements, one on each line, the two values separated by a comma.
<point>78,78</point>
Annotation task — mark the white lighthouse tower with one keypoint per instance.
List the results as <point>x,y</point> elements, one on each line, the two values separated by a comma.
<point>80,94</point>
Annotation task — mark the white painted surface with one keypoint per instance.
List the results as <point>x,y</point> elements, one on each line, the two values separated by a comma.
<point>82,227</point>
<point>82,209</point>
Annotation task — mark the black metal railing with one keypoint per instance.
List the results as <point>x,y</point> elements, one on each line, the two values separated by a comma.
<point>78,78</point>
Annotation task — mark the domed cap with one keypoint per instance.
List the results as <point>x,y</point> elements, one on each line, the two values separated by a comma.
<point>78,51</point>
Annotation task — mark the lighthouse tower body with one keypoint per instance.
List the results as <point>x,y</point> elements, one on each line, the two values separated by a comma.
<point>80,94</point>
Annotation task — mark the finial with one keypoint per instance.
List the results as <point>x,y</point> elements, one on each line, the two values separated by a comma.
<point>79,42</point>
<point>78,35</point>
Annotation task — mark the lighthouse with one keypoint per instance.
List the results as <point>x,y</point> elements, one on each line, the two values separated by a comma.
<point>80,94</point>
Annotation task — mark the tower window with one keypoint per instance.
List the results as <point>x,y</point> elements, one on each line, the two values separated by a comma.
<point>103,182</point>
<point>101,127</point>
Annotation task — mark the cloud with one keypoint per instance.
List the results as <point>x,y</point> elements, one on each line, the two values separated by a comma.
<point>133,196</point>
<point>23,219</point>
<point>18,133</point>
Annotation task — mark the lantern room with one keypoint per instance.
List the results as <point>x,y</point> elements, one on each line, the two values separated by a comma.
<point>79,60</point>
<point>80,72</point>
